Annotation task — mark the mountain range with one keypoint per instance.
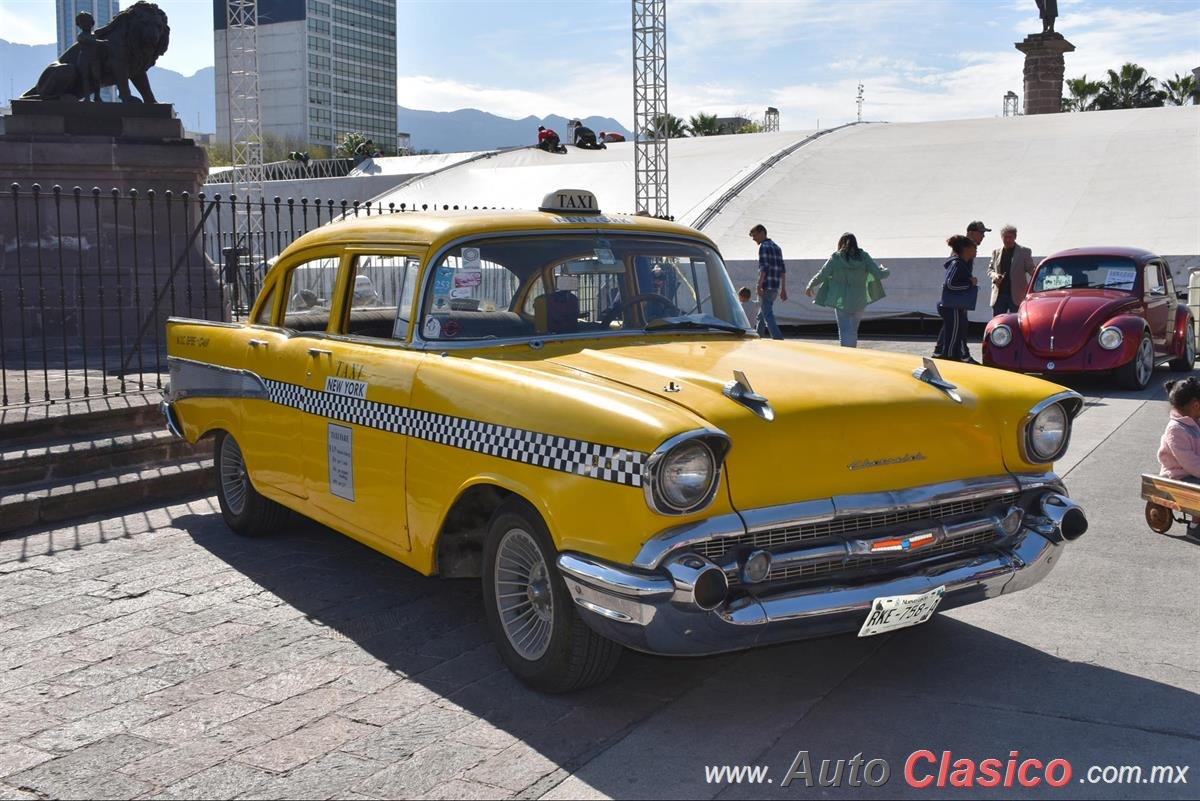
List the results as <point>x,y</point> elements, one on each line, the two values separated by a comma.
<point>194,97</point>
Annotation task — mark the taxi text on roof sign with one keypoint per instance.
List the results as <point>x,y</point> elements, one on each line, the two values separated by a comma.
<point>579,201</point>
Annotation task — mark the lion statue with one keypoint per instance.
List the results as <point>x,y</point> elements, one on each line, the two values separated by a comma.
<point>125,48</point>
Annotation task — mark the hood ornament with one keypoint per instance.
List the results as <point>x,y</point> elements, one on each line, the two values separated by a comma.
<point>930,374</point>
<point>740,391</point>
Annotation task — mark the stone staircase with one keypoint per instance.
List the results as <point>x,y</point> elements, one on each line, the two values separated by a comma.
<point>60,468</point>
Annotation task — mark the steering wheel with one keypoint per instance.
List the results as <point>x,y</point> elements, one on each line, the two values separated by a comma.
<point>645,297</point>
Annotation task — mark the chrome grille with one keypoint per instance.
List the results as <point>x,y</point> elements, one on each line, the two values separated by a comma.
<point>804,570</point>
<point>788,536</point>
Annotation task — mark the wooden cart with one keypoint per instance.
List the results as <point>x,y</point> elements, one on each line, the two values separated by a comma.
<point>1168,501</point>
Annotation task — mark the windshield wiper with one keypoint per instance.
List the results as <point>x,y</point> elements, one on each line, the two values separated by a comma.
<point>678,323</point>
<point>1120,285</point>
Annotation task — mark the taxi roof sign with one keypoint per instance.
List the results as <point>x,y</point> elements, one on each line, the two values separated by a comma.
<point>573,201</point>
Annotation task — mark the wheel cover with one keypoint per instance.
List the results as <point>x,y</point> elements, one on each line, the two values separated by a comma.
<point>235,484</point>
<point>1145,362</point>
<point>524,596</point>
<point>1189,349</point>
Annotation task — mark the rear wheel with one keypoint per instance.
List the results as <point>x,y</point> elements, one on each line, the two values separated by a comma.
<point>1185,362</point>
<point>245,511</point>
<point>1137,374</point>
<point>530,614</point>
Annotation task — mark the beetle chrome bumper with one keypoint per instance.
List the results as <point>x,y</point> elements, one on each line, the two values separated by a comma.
<point>657,612</point>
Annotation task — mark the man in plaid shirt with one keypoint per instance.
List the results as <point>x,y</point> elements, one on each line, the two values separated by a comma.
<point>772,281</point>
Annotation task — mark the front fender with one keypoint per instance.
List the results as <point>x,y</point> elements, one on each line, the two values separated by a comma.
<point>1132,326</point>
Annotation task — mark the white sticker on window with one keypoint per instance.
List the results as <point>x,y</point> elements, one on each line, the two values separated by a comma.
<point>471,259</point>
<point>605,256</point>
<point>433,327</point>
<point>1120,279</point>
<point>1057,282</point>
<point>341,461</point>
<point>465,279</point>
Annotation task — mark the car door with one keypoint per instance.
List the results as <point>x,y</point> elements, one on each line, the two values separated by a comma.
<point>1173,304</point>
<point>1158,305</point>
<point>276,353</point>
<point>359,379</point>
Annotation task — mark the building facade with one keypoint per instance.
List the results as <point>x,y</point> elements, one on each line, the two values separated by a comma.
<point>65,12</point>
<point>326,68</point>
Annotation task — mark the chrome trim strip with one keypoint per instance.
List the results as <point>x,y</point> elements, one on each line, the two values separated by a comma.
<point>752,521</point>
<point>718,444</point>
<point>195,379</point>
<point>205,323</point>
<point>168,411</point>
<point>1072,403</point>
<point>614,579</point>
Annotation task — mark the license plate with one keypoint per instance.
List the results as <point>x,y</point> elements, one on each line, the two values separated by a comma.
<point>900,611</point>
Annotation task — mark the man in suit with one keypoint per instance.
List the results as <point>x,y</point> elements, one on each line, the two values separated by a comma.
<point>1010,270</point>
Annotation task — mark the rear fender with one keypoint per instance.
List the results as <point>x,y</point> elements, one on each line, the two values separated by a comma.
<point>1183,329</point>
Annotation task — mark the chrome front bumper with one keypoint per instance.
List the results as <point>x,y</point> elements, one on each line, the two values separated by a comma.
<point>657,612</point>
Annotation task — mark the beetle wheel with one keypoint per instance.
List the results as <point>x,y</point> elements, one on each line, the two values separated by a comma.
<point>1185,363</point>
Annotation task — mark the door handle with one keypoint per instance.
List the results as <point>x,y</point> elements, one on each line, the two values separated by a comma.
<point>259,343</point>
<point>317,352</point>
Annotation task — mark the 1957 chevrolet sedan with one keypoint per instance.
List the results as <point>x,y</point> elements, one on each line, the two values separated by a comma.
<point>572,406</point>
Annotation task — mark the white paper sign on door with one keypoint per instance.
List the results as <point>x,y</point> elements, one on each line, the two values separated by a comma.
<point>341,461</point>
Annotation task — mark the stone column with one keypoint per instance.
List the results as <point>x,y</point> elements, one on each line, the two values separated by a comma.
<point>1044,70</point>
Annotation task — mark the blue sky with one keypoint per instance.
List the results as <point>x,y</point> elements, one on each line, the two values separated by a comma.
<point>918,59</point>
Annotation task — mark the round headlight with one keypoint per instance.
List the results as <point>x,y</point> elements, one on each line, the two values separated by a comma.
<point>686,475</point>
<point>1048,433</point>
<point>1001,336</point>
<point>1111,338</point>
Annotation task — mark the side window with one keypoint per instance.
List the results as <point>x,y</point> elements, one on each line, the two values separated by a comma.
<point>1154,284</point>
<point>310,294</point>
<point>381,296</point>
<point>1168,280</point>
<point>268,307</point>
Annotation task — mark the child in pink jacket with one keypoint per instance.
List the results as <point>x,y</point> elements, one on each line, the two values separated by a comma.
<point>1179,451</point>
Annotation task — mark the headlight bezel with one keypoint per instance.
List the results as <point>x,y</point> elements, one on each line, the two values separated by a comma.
<point>715,442</point>
<point>1071,403</point>
<point>1007,332</point>
<point>1119,333</point>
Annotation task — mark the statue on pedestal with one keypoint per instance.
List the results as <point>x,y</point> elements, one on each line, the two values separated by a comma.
<point>1048,11</point>
<point>118,54</point>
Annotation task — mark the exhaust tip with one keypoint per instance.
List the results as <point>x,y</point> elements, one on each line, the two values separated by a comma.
<point>710,588</point>
<point>1068,517</point>
<point>1074,524</point>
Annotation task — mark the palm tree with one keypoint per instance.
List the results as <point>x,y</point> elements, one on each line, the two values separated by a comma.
<point>349,144</point>
<point>1082,94</point>
<point>1181,89</point>
<point>674,126</point>
<point>1132,87</point>
<point>702,124</point>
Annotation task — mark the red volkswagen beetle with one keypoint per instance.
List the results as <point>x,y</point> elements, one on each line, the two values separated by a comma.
<point>1096,310</point>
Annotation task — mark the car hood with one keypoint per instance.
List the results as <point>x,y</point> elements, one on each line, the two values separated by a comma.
<point>1060,322</point>
<point>845,421</point>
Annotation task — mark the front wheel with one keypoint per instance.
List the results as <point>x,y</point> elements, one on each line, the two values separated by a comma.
<point>245,511</point>
<point>1137,374</point>
<point>1185,362</point>
<point>529,611</point>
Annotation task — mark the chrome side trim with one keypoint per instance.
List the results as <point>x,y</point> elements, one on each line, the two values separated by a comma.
<point>717,443</point>
<point>1072,403</point>
<point>616,580</point>
<point>190,378</point>
<point>751,521</point>
<point>168,411</point>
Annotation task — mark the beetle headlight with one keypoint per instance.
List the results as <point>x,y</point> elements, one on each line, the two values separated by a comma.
<point>1111,338</point>
<point>1046,436</point>
<point>683,474</point>
<point>1001,336</point>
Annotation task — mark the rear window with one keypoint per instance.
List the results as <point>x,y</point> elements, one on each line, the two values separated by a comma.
<point>1087,272</point>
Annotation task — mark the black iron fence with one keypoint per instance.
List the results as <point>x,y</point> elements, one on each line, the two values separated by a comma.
<point>88,278</point>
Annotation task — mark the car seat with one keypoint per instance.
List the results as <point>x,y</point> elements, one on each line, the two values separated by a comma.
<point>556,313</point>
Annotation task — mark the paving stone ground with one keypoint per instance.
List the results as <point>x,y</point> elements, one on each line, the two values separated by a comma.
<point>156,655</point>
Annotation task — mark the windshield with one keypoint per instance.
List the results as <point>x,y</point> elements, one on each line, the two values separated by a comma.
<point>514,287</point>
<point>1087,272</point>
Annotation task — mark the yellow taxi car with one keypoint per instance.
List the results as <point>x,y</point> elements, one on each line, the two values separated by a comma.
<point>573,406</point>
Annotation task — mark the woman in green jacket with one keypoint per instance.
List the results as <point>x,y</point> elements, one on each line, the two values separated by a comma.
<point>848,282</point>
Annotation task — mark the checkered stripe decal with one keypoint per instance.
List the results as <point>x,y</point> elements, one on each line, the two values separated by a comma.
<point>589,459</point>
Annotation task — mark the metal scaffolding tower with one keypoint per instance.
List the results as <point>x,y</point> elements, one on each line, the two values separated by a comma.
<point>651,124</point>
<point>771,120</point>
<point>859,100</point>
<point>241,80</point>
<point>1010,104</point>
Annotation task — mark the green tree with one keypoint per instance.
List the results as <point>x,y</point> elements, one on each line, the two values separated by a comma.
<point>750,127</point>
<point>1181,90</point>
<point>674,126</point>
<point>1131,87</point>
<point>349,144</point>
<point>702,124</point>
<point>1081,94</point>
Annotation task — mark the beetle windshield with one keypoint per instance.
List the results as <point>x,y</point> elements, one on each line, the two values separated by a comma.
<point>1087,272</point>
<point>535,286</point>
